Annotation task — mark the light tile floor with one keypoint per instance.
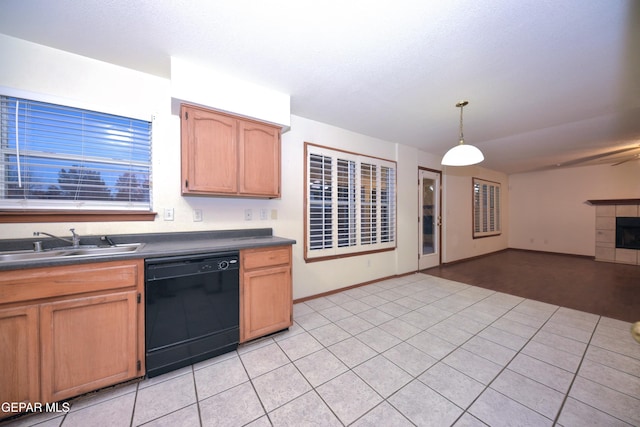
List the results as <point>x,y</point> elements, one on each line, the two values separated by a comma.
<point>415,350</point>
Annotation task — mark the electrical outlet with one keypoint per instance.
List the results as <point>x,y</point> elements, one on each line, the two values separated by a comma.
<point>248,214</point>
<point>263,214</point>
<point>168,214</point>
<point>197,215</point>
<point>274,213</point>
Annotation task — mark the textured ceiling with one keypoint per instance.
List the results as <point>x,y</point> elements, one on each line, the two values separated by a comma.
<point>549,82</point>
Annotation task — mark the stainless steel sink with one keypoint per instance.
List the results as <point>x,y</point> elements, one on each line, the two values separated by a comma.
<point>29,255</point>
<point>67,252</point>
<point>103,250</point>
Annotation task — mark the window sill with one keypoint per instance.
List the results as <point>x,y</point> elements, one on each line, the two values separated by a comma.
<point>74,216</point>
<point>346,255</point>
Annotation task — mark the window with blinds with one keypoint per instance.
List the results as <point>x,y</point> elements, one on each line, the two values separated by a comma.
<point>350,203</point>
<point>486,208</point>
<point>58,157</point>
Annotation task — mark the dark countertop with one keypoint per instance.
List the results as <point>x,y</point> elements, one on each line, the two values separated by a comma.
<point>156,245</point>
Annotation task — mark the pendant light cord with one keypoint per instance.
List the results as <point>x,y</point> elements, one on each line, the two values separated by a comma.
<point>461,135</point>
<point>461,105</point>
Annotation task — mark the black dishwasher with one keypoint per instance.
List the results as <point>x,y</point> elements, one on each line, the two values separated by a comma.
<point>192,309</point>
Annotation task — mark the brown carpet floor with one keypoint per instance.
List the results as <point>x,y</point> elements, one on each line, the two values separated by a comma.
<point>581,283</point>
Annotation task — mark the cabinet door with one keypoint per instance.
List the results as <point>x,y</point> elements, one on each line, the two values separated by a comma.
<point>19,355</point>
<point>209,152</point>
<point>259,150</point>
<point>266,301</point>
<point>88,343</point>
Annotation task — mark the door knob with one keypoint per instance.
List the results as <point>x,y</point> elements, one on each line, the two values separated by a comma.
<point>635,331</point>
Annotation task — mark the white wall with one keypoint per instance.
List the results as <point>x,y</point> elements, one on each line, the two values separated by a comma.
<point>548,210</point>
<point>55,75</point>
<point>228,93</point>
<point>458,238</point>
<point>318,277</point>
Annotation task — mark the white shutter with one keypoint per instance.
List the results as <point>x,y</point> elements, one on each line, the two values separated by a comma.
<point>486,208</point>
<point>350,203</point>
<point>387,204</point>
<point>319,202</point>
<point>347,207</point>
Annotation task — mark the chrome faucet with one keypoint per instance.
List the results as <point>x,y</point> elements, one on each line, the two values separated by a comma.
<point>75,239</point>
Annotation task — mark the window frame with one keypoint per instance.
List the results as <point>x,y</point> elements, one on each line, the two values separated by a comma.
<point>385,213</point>
<point>88,214</point>
<point>486,220</point>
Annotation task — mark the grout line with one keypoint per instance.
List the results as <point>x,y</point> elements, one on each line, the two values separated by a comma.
<point>566,396</point>
<point>195,388</point>
<point>133,411</point>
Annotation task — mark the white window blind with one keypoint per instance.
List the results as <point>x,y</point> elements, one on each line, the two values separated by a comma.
<point>486,208</point>
<point>58,157</point>
<point>351,203</point>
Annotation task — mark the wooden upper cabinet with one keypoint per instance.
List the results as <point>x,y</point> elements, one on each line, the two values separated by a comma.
<point>259,150</point>
<point>227,155</point>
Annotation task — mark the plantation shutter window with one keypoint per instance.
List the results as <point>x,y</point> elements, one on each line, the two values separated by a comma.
<point>320,188</point>
<point>387,200</point>
<point>350,203</point>
<point>486,208</point>
<point>59,157</point>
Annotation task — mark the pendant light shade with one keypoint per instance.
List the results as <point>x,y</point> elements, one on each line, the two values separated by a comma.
<point>462,154</point>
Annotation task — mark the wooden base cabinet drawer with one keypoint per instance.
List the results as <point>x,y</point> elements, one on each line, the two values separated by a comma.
<point>266,295</point>
<point>260,258</point>
<point>51,282</point>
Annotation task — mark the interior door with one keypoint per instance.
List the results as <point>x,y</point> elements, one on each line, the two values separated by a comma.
<point>429,218</point>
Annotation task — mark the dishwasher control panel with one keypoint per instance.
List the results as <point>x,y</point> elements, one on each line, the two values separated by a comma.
<point>162,268</point>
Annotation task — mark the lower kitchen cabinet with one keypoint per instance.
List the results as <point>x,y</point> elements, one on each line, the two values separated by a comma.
<point>266,302</point>
<point>87,343</point>
<point>19,355</point>
<point>68,330</point>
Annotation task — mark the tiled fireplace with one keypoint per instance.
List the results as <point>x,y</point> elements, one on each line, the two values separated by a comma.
<point>606,213</point>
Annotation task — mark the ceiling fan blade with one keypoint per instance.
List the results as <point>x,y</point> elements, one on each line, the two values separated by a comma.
<point>598,156</point>
<point>634,157</point>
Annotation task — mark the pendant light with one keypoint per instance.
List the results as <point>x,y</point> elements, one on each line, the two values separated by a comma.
<point>462,154</point>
